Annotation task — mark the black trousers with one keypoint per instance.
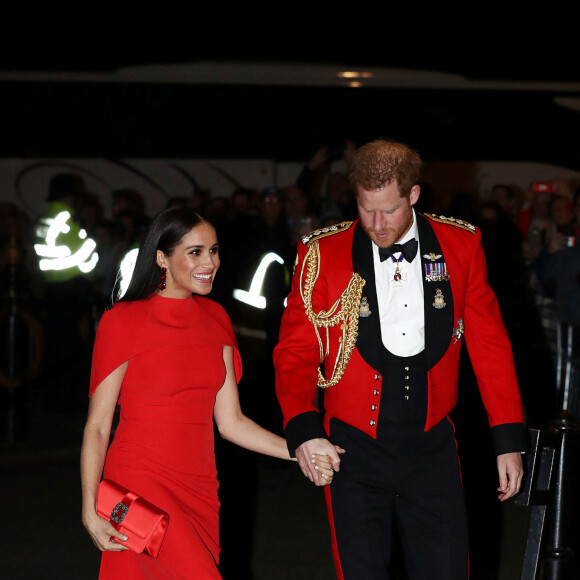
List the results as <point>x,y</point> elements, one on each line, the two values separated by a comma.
<point>406,478</point>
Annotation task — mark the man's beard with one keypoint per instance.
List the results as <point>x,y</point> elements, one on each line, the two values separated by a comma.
<point>394,234</point>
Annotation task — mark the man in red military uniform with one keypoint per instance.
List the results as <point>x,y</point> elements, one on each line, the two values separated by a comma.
<point>383,304</point>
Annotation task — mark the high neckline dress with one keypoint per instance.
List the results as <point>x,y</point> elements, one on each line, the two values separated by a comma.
<point>163,446</point>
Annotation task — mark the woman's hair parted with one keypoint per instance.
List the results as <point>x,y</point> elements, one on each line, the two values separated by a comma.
<point>164,233</point>
<point>381,162</point>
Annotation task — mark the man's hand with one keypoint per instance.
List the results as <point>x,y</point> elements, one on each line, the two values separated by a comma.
<point>511,471</point>
<point>305,453</point>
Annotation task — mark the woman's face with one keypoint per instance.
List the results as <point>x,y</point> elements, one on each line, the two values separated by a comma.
<point>192,266</point>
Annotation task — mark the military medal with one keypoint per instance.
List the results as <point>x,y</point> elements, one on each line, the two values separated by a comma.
<point>439,300</point>
<point>364,309</point>
<point>458,332</point>
<point>432,256</point>
<point>398,277</point>
<point>436,272</point>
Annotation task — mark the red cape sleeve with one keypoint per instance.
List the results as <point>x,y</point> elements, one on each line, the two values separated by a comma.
<point>219,314</point>
<point>114,344</point>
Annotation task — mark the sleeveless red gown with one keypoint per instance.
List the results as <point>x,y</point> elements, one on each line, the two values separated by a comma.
<point>163,447</point>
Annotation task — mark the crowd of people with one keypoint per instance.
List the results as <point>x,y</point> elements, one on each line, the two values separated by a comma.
<point>530,241</point>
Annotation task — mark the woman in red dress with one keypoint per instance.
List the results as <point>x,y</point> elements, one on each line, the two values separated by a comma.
<point>168,356</point>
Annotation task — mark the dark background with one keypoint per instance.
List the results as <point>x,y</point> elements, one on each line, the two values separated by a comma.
<point>513,70</point>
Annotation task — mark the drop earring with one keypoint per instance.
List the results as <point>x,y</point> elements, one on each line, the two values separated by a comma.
<point>163,279</point>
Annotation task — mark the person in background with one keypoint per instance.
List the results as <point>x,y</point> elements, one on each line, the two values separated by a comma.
<point>67,258</point>
<point>557,270</point>
<point>505,197</point>
<point>297,205</point>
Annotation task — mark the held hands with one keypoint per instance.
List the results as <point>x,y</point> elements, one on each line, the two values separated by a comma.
<point>318,458</point>
<point>103,533</point>
<point>323,464</point>
<point>511,471</point>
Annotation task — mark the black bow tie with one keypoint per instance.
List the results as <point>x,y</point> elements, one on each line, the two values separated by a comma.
<point>409,250</point>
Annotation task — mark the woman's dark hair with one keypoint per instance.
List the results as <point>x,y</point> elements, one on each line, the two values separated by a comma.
<point>164,233</point>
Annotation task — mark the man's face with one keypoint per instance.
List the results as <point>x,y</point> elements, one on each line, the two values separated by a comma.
<point>386,216</point>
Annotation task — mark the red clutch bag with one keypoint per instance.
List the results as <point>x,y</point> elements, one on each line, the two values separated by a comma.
<point>143,523</point>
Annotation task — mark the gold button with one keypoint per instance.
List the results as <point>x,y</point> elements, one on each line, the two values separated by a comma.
<point>373,407</point>
<point>407,397</point>
<point>371,423</point>
<point>375,392</point>
<point>407,377</point>
<point>406,368</point>
<point>407,387</point>
<point>377,377</point>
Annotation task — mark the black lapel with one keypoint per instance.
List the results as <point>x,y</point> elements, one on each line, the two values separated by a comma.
<point>438,321</point>
<point>369,340</point>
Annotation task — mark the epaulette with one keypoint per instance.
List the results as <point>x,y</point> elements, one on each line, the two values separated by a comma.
<point>452,222</point>
<point>323,232</point>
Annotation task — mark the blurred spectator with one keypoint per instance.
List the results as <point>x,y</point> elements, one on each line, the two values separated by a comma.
<point>313,172</point>
<point>548,235</point>
<point>198,201</point>
<point>324,180</point>
<point>126,199</point>
<point>16,228</point>
<point>275,233</point>
<point>67,259</point>
<point>330,216</point>
<point>297,205</point>
<point>303,227</point>
<point>339,202</point>
<point>241,203</point>
<point>535,217</point>
<point>558,271</point>
<point>238,237</point>
<point>261,286</point>
<point>558,266</point>
<point>90,212</point>
<point>535,222</point>
<point>509,277</point>
<point>562,212</point>
<point>322,163</point>
<point>505,197</point>
<point>218,208</point>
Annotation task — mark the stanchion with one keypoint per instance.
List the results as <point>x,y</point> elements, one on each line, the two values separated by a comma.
<point>537,492</point>
<point>550,491</point>
<point>559,557</point>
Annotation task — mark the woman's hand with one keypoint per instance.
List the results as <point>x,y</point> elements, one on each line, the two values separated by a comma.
<point>323,464</point>
<point>103,533</point>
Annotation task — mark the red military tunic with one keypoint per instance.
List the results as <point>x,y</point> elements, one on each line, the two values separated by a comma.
<point>355,398</point>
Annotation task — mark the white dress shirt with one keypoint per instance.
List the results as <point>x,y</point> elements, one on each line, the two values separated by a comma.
<point>401,304</point>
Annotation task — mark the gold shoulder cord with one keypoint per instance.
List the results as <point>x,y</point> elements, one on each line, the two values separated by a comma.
<point>347,316</point>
